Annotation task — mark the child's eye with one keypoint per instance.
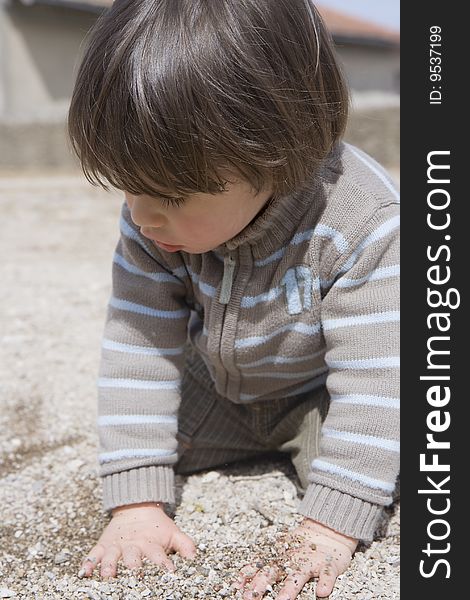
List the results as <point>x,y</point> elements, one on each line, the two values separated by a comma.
<point>167,202</point>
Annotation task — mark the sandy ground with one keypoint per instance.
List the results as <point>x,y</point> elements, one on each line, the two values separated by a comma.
<point>56,244</point>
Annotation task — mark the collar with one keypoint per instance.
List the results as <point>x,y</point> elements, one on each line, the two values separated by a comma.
<point>278,220</point>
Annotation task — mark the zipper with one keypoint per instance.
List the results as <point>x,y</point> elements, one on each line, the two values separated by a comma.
<point>227,280</point>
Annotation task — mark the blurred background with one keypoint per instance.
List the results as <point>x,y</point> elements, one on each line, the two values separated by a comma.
<point>41,43</point>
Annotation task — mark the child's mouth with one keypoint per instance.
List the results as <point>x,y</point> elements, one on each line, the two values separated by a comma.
<point>167,247</point>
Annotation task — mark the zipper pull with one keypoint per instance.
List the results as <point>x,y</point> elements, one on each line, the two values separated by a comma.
<point>227,281</point>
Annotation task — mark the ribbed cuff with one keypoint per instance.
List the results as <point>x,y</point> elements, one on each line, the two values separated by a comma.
<point>343,513</point>
<point>145,484</point>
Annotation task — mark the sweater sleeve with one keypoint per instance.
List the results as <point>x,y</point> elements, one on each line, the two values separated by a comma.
<point>356,470</point>
<point>140,373</point>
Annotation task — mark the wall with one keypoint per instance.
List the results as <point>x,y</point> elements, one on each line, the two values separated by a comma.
<point>40,48</point>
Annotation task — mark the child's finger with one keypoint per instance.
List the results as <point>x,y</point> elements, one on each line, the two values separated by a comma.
<point>245,574</point>
<point>131,556</point>
<point>110,560</point>
<point>184,545</point>
<point>293,585</point>
<point>157,555</point>
<point>326,581</point>
<point>265,577</point>
<point>92,559</point>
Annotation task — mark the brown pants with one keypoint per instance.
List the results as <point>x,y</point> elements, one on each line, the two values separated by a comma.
<point>213,431</point>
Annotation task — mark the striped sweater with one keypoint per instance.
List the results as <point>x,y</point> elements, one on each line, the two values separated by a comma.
<point>307,295</point>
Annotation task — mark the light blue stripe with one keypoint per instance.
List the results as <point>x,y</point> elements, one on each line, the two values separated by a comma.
<point>180,272</point>
<point>143,242</point>
<point>339,241</point>
<point>376,275</point>
<point>308,387</point>
<point>145,310</point>
<point>271,258</point>
<point>138,384</point>
<point>384,317</point>
<point>382,231</point>
<point>273,294</point>
<point>311,385</point>
<point>366,363</point>
<point>250,301</point>
<point>135,453</point>
<point>158,277</point>
<point>109,420</point>
<point>378,170</point>
<point>382,401</point>
<point>130,232</point>
<point>280,360</point>
<point>303,236</point>
<point>258,340</point>
<point>129,349</point>
<point>206,289</point>
<point>295,241</point>
<point>368,440</point>
<point>276,375</point>
<point>322,465</point>
<point>320,230</point>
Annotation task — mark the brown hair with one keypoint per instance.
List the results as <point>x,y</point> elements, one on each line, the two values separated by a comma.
<point>174,93</point>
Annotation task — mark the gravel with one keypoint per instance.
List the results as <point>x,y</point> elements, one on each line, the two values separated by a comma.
<point>57,242</point>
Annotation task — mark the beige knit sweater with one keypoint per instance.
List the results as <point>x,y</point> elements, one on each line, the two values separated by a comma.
<point>307,295</point>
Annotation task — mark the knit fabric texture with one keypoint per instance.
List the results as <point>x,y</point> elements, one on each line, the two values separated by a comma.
<point>307,295</point>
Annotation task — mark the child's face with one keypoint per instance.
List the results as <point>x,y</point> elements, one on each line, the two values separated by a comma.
<point>202,222</point>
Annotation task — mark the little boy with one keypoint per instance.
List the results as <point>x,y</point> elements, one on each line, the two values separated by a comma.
<point>255,283</point>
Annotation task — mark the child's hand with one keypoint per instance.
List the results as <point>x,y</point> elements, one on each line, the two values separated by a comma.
<point>135,531</point>
<point>314,550</point>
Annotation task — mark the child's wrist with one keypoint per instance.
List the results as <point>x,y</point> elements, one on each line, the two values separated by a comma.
<point>320,528</point>
<point>138,506</point>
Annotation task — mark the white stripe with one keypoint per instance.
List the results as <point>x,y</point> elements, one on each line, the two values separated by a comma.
<point>366,363</point>
<point>381,401</point>
<point>382,231</point>
<point>158,277</point>
<point>130,349</point>
<point>257,340</point>
<point>271,258</point>
<point>146,310</point>
<point>276,375</point>
<point>108,420</point>
<point>295,241</point>
<point>282,360</point>
<point>339,241</point>
<point>181,272</point>
<point>206,289</point>
<point>137,384</point>
<point>250,301</point>
<point>376,275</point>
<point>381,175</point>
<point>356,438</point>
<point>322,465</point>
<point>308,387</point>
<point>135,453</point>
<point>144,243</point>
<point>384,317</point>
<point>128,231</point>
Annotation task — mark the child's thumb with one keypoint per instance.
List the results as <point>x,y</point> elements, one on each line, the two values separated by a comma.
<point>184,545</point>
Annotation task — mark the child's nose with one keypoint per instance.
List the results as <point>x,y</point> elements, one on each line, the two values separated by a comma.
<point>145,213</point>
